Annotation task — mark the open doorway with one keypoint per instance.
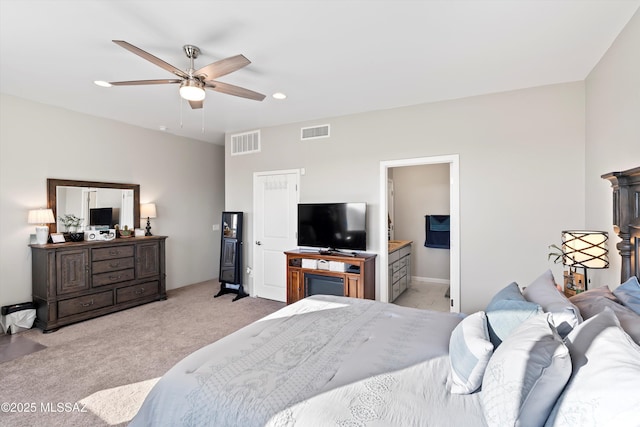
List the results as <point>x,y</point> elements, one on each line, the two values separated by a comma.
<point>450,166</point>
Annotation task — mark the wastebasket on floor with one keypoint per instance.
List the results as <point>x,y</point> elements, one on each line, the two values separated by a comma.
<point>17,317</point>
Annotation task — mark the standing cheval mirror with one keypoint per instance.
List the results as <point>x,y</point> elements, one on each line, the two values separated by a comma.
<point>231,256</point>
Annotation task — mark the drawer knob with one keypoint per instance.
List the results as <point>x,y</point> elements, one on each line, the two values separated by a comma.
<point>139,291</point>
<point>88,304</point>
<point>114,277</point>
<point>114,265</point>
<point>113,252</point>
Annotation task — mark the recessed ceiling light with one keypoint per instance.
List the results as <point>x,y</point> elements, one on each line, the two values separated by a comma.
<point>102,83</point>
<point>279,95</point>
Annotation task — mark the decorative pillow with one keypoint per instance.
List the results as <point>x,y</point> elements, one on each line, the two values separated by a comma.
<point>629,294</point>
<point>605,383</point>
<point>602,291</point>
<point>543,291</point>
<point>506,311</point>
<point>469,353</point>
<point>525,375</point>
<point>594,301</point>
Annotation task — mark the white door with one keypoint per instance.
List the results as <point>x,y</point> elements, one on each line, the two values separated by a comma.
<point>275,207</point>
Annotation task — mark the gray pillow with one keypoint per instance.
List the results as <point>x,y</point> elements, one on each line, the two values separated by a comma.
<point>594,301</point>
<point>543,291</point>
<point>629,294</point>
<point>525,375</point>
<point>506,311</point>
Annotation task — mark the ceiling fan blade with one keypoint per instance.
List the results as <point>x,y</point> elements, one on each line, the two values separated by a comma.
<point>222,67</point>
<point>146,82</point>
<point>233,90</point>
<point>196,104</point>
<point>153,59</point>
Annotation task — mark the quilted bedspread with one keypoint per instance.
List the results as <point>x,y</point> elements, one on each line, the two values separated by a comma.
<point>324,360</point>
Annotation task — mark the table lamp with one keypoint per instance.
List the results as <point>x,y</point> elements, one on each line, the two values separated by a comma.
<point>42,217</point>
<point>586,249</point>
<point>148,210</point>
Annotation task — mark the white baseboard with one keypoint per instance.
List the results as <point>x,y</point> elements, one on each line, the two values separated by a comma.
<point>430,280</point>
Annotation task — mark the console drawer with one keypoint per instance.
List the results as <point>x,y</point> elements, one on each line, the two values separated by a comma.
<point>112,265</point>
<point>113,277</point>
<point>112,252</point>
<point>87,303</point>
<point>138,291</point>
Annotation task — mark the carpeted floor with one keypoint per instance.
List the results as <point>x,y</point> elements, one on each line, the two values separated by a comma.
<point>98,372</point>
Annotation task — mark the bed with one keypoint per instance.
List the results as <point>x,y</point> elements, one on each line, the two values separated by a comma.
<point>532,358</point>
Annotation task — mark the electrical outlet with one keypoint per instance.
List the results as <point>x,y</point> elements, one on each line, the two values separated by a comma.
<point>216,227</point>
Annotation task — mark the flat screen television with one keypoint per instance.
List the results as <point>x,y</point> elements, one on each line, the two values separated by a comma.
<point>333,226</point>
<point>104,216</point>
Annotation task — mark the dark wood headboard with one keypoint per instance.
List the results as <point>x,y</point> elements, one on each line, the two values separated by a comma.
<point>626,218</point>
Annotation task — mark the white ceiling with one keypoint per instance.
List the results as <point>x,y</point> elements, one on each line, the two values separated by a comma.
<point>331,57</point>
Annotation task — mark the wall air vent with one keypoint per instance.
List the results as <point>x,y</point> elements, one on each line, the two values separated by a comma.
<point>245,143</point>
<point>314,132</point>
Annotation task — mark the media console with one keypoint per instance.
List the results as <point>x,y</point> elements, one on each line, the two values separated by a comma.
<point>357,277</point>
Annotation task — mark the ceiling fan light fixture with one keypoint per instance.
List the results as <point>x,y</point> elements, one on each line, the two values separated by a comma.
<point>192,90</point>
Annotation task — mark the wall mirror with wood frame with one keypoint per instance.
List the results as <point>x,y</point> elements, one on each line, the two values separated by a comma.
<point>96,203</point>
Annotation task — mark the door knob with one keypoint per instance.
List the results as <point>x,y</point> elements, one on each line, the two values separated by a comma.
<point>258,242</point>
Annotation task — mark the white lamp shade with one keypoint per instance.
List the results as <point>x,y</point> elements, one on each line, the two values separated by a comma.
<point>148,210</point>
<point>41,216</point>
<point>586,249</point>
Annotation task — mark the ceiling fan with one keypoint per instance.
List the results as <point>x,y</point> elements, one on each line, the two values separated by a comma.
<point>194,82</point>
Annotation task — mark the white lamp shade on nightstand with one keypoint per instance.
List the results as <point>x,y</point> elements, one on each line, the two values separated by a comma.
<point>586,249</point>
<point>42,217</point>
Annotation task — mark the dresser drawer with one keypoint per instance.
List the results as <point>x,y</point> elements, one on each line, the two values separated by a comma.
<point>112,252</point>
<point>113,277</point>
<point>82,304</point>
<point>112,265</point>
<point>134,292</point>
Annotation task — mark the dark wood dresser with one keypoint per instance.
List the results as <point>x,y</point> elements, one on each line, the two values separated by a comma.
<point>77,281</point>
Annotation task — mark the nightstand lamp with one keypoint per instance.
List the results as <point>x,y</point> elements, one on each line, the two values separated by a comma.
<point>42,217</point>
<point>586,249</point>
<point>148,210</point>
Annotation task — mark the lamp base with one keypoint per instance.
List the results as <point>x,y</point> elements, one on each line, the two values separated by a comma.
<point>42,234</point>
<point>148,228</point>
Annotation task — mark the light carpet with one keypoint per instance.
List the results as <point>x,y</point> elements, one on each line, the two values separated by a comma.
<point>98,372</point>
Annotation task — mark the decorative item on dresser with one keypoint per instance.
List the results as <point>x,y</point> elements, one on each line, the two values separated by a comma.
<point>350,275</point>
<point>41,217</point>
<point>77,281</point>
<point>148,210</point>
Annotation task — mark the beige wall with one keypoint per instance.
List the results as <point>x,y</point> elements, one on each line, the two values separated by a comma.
<point>521,174</point>
<point>183,177</point>
<point>613,134</point>
<point>419,191</point>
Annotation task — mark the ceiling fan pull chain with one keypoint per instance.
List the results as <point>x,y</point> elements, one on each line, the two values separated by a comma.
<point>202,111</point>
<point>181,101</point>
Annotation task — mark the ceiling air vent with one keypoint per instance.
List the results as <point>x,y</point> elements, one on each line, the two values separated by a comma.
<point>314,132</point>
<point>245,143</point>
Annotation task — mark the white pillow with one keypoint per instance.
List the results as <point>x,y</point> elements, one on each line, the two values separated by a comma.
<point>543,291</point>
<point>629,294</point>
<point>469,353</point>
<point>525,375</point>
<point>604,389</point>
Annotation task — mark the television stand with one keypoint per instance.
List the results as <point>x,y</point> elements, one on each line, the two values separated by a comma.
<point>358,274</point>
